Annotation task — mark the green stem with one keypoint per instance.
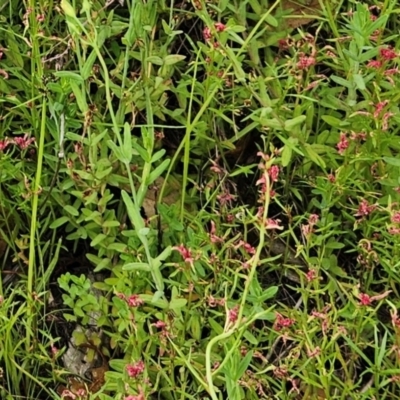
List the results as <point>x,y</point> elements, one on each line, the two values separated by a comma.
<point>239,323</point>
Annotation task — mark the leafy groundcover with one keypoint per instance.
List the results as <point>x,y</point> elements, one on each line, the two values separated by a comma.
<point>199,199</point>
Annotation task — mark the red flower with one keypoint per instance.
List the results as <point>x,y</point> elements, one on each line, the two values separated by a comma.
<point>274,173</point>
<point>343,143</point>
<point>219,26</point>
<point>365,299</point>
<point>134,301</point>
<point>305,62</point>
<point>185,253</point>
<point>387,54</point>
<point>364,209</point>
<point>281,322</point>
<point>160,324</point>
<point>396,217</point>
<point>135,369</point>
<point>233,314</point>
<point>207,35</point>
<point>379,107</point>
<point>23,142</point>
<point>273,224</point>
<point>375,64</point>
<point>4,143</point>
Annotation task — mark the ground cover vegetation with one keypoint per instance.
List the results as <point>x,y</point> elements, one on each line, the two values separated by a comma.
<point>199,198</point>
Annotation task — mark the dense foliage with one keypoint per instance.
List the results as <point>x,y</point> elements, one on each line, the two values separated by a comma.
<point>201,197</point>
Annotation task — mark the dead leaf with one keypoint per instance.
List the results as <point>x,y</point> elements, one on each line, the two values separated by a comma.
<point>302,14</point>
<point>171,195</point>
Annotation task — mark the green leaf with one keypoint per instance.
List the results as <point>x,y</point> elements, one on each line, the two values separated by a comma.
<point>157,172</point>
<point>118,152</point>
<point>158,155</point>
<point>271,21</point>
<point>133,212</point>
<point>80,97</point>
<point>98,239</point>
<point>110,224</point>
<point>127,146</point>
<point>86,70</point>
<point>58,222</point>
<point>342,82</point>
<point>142,152</point>
<point>359,81</point>
<point>269,293</point>
<point>173,59</point>
<point>160,303</point>
<point>250,338</point>
<point>155,60</point>
<point>71,210</point>
<point>136,266</point>
<point>291,123</point>
<point>313,156</point>
<point>332,121</point>
<point>103,264</point>
<point>68,9</point>
<point>158,260</point>
<point>118,365</point>
<point>286,155</point>
<point>244,364</point>
<point>392,161</point>
<point>176,304</point>
<point>70,75</point>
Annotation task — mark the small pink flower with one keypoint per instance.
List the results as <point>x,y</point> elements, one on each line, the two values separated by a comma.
<point>135,369</point>
<point>213,237</point>
<point>137,397</point>
<point>273,224</point>
<point>394,231</point>
<point>185,253</point>
<point>248,248</point>
<point>219,26</point>
<point>281,322</point>
<point>274,173</point>
<point>306,230</point>
<point>283,44</point>
<point>385,120</point>
<point>311,275</point>
<point>53,349</point>
<point>134,301</point>
<point>387,54</point>
<point>375,64</point>
<point>343,143</point>
<point>314,353</point>
<point>23,142</point>
<point>305,62</point>
<point>391,71</point>
<point>233,314</point>
<point>207,35</point>
<point>225,198</point>
<point>396,217</point>
<point>331,178</point>
<point>67,393</point>
<point>81,392</point>
<point>365,299</point>
<point>313,219</point>
<point>364,209</point>
<point>160,324</point>
<point>4,143</point>
<point>379,107</point>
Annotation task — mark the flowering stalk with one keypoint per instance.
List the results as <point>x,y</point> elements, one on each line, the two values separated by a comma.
<point>238,324</point>
<point>32,241</point>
